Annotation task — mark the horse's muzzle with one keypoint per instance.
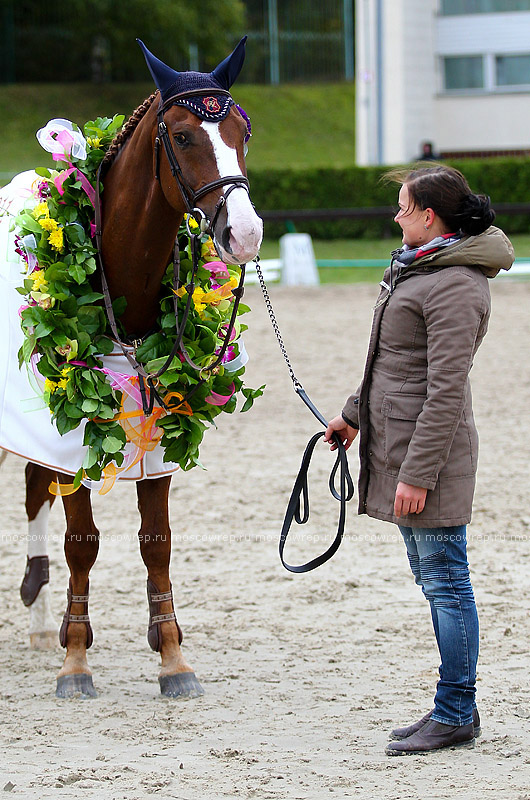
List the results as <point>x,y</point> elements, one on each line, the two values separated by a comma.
<point>239,245</point>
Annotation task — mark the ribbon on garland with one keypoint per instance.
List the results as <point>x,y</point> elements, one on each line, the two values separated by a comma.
<point>216,399</point>
<point>83,180</point>
<point>66,140</point>
<point>144,435</point>
<point>60,139</point>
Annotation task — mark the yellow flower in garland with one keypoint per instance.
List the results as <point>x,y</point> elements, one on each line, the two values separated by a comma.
<point>48,224</point>
<point>192,223</point>
<point>93,141</point>
<point>208,251</point>
<point>221,293</point>
<point>56,240</point>
<point>198,295</point>
<point>63,382</point>
<point>39,281</point>
<point>41,213</point>
<point>41,210</point>
<point>50,386</point>
<point>214,297</point>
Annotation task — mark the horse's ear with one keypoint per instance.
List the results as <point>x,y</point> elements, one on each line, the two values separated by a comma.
<point>227,71</point>
<point>163,76</point>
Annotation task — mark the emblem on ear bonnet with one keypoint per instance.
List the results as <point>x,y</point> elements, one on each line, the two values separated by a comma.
<point>170,83</point>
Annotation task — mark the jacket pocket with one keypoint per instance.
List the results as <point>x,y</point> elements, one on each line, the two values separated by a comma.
<point>400,412</point>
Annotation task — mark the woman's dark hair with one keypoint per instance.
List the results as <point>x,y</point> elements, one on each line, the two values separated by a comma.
<point>446,191</point>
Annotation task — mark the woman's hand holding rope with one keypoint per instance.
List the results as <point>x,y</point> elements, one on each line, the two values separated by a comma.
<point>408,500</point>
<point>345,431</point>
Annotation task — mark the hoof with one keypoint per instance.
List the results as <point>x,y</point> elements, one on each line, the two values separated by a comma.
<point>43,640</point>
<point>183,684</point>
<point>79,685</point>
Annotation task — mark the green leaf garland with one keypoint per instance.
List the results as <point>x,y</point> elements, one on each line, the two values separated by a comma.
<point>65,324</point>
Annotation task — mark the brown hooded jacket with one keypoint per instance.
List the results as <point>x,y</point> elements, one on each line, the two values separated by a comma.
<point>413,407</point>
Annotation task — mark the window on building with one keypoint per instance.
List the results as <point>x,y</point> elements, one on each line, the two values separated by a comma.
<point>463,72</point>
<point>488,72</point>
<point>453,7</point>
<point>512,70</point>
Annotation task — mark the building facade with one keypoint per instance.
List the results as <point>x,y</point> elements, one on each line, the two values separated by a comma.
<point>452,72</point>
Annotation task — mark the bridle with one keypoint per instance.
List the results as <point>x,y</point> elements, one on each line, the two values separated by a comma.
<point>190,197</point>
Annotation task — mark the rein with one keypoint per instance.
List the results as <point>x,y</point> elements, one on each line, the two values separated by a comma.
<point>190,198</point>
<point>298,506</point>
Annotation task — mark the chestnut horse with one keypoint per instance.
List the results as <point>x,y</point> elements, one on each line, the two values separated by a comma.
<point>144,202</point>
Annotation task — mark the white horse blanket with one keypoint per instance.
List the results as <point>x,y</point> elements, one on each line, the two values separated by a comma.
<point>26,428</point>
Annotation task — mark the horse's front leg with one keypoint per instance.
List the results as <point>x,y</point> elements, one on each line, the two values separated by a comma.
<point>176,677</point>
<point>81,548</point>
<point>34,590</point>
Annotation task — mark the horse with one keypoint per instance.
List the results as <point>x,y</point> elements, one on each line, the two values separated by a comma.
<point>148,188</point>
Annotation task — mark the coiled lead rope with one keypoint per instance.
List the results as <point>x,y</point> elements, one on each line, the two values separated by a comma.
<point>298,505</point>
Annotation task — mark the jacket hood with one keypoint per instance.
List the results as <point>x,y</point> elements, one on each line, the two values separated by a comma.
<point>490,252</point>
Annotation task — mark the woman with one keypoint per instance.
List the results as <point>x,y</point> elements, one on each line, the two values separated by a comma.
<point>418,442</point>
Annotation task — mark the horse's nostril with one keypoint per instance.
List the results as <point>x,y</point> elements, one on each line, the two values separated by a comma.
<point>225,239</point>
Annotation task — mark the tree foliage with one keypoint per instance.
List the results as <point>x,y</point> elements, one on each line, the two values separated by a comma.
<point>79,40</point>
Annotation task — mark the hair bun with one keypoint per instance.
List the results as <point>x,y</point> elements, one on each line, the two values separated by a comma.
<point>476,214</point>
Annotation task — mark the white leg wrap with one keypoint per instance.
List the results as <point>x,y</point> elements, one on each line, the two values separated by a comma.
<point>42,625</point>
<point>38,533</point>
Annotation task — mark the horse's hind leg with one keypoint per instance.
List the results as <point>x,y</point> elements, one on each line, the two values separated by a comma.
<point>35,590</point>
<point>176,677</point>
<point>81,548</point>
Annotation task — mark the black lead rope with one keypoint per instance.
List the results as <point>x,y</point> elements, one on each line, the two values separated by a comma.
<point>298,505</point>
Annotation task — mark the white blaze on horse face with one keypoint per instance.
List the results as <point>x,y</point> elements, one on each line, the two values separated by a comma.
<point>246,228</point>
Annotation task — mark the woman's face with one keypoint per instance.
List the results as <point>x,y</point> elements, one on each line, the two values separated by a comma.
<point>411,220</point>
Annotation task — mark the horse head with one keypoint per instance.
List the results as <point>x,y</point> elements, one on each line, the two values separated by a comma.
<point>203,136</point>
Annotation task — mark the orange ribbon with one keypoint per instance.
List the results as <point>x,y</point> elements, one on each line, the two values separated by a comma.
<point>144,435</point>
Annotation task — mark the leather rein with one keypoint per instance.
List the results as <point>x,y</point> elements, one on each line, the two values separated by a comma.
<point>190,198</point>
<point>298,505</point>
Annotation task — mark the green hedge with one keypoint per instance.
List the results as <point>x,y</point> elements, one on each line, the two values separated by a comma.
<point>505,180</point>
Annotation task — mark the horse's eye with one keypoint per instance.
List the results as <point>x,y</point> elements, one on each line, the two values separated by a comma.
<point>181,139</point>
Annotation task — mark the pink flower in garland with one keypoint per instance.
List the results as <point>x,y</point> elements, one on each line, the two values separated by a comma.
<point>43,190</point>
<point>18,249</point>
<point>229,355</point>
<point>217,269</point>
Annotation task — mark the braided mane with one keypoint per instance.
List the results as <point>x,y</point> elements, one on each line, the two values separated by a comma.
<point>127,130</point>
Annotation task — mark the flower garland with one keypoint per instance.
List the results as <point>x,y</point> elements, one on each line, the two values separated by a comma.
<point>66,330</point>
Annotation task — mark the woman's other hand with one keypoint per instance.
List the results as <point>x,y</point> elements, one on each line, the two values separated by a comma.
<point>409,499</point>
<point>346,433</point>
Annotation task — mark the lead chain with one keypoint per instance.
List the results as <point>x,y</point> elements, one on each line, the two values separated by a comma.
<point>296,383</point>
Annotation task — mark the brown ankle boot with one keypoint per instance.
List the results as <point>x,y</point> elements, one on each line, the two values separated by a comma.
<point>433,736</point>
<point>403,733</point>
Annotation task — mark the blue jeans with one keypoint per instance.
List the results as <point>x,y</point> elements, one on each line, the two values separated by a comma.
<point>438,561</point>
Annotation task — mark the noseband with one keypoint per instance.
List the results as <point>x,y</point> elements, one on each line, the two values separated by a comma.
<point>189,195</point>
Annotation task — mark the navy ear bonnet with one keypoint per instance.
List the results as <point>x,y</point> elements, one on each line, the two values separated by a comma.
<point>212,103</point>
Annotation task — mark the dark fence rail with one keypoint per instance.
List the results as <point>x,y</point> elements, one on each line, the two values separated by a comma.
<point>375,212</point>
